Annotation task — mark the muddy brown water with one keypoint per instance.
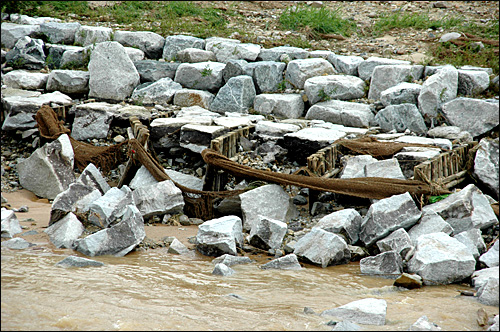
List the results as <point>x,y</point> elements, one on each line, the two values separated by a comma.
<point>156,290</point>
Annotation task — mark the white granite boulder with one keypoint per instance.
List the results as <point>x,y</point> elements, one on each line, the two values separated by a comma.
<point>200,75</point>
<point>286,106</point>
<point>368,311</point>
<point>346,113</point>
<point>342,87</point>
<point>64,232</point>
<point>49,170</point>
<point>322,248</point>
<point>220,236</point>
<point>476,116</point>
<point>400,118</point>
<point>465,209</point>
<point>149,42</point>
<point>160,92</point>
<point>298,71</point>
<point>440,259</point>
<point>113,75</point>
<point>267,233</point>
<point>387,215</point>
<point>237,95</point>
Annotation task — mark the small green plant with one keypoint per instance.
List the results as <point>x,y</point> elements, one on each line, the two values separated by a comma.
<point>442,94</point>
<point>50,62</point>
<point>323,96</point>
<point>281,86</point>
<point>409,78</point>
<point>17,62</point>
<point>207,71</point>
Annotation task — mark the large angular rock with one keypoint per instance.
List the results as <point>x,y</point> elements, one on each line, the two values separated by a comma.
<point>480,277</point>
<point>386,168</point>
<point>153,70</point>
<point>385,77</point>
<point>176,43</point>
<point>193,55</point>
<point>287,262</point>
<point>20,106</point>
<point>112,74</point>
<point>473,241</point>
<point>91,176</point>
<point>267,75</point>
<point>345,64</point>
<point>230,260</point>
<point>12,32</point>
<point>134,54</point>
<point>388,263</point>
<point>267,233</point>
<point>76,199</point>
<point>200,75</point>
<point>430,222</point>
<point>366,68</point>
<point>342,87</point>
<point>476,116</point>
<point>163,130</point>
<point>198,137</point>
<point>344,222</point>
<point>440,259</point>
<point>402,93</point>
<point>75,261</point>
<point>234,68</point>
<point>17,243</point>
<point>10,224</point>
<point>255,203</point>
<point>451,133</point>
<point>367,311</point>
<point>309,140</point>
<point>177,248</point>
<point>237,95</point>
<point>90,35</point>
<point>322,248</point>
<point>223,270</point>
<point>444,144</point>
<point>64,232</point>
<point>160,92</point>
<point>27,53</point>
<point>423,324</point>
<point>486,164</point>
<point>69,81</point>
<point>220,236</point>
<point>490,258</point>
<point>286,106</point>
<point>398,241</point>
<point>143,178</point>
<point>298,71</point>
<point>411,156</point>
<point>117,240</point>
<point>342,112</point>
<point>400,118</point>
<point>21,79</point>
<point>275,53</point>
<point>465,209</point>
<point>225,51</point>
<point>90,123</point>
<point>354,166</point>
<point>265,129</point>
<point>159,198</point>
<point>72,56</point>
<point>60,33</point>
<point>472,82</point>
<point>436,90</point>
<point>149,42</point>
<point>387,215</point>
<point>110,206</point>
<point>191,97</point>
<point>49,170</point>
<point>488,293</point>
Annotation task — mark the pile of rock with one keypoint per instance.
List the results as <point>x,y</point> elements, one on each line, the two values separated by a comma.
<point>304,100</point>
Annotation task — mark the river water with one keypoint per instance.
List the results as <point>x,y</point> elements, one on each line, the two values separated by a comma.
<point>157,290</point>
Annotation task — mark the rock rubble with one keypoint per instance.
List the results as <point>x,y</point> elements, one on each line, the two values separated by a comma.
<point>192,90</point>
